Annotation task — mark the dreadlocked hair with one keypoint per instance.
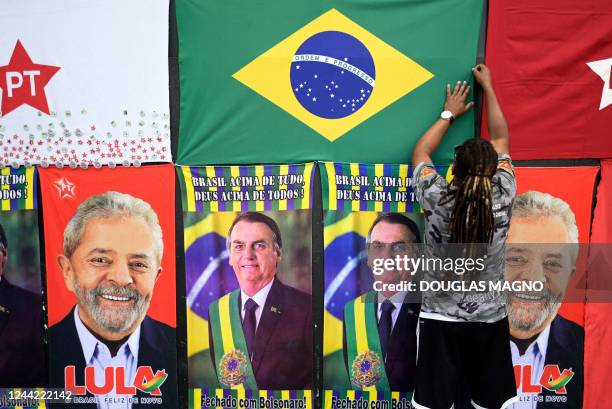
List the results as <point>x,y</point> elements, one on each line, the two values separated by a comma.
<point>472,216</point>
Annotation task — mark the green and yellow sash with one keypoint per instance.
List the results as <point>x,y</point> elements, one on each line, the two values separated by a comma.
<point>233,363</point>
<point>364,353</point>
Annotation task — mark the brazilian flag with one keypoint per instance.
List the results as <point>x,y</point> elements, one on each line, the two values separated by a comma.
<point>272,81</point>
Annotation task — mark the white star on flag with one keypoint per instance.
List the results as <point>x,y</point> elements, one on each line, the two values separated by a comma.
<point>65,188</point>
<point>602,68</point>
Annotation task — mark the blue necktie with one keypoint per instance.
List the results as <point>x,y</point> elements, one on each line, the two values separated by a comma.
<point>384,326</point>
<point>249,324</point>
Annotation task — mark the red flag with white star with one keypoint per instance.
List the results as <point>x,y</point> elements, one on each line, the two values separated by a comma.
<point>551,62</point>
<point>84,83</point>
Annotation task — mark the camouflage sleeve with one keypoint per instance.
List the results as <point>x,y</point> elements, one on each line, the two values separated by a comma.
<point>504,176</point>
<point>427,185</point>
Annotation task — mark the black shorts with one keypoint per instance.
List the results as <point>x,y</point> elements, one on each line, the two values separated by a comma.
<point>464,359</point>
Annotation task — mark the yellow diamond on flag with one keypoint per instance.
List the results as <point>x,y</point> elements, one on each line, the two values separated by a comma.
<point>332,74</point>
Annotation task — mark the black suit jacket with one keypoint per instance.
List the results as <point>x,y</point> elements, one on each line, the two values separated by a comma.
<point>157,348</point>
<point>282,356</point>
<point>22,356</point>
<point>401,359</point>
<point>566,349</point>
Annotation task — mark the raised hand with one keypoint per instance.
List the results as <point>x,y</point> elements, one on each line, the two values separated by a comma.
<point>483,75</point>
<point>455,100</point>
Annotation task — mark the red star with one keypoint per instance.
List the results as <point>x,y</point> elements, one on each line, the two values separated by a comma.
<point>64,187</point>
<point>23,82</point>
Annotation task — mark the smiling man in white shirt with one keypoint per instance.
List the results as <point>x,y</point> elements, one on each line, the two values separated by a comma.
<point>111,260</point>
<point>543,246</point>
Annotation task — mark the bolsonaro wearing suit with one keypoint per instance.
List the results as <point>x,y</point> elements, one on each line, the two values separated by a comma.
<point>270,342</point>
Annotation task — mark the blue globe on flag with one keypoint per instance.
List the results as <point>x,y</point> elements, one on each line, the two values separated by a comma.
<point>347,274</point>
<point>332,74</point>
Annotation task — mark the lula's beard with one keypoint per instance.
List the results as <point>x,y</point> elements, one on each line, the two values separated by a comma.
<point>114,320</point>
<point>529,316</point>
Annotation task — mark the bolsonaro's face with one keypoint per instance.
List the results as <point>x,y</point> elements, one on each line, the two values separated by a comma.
<point>253,254</point>
<point>387,241</point>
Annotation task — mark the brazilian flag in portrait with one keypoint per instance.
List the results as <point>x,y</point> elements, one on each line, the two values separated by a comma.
<point>213,197</point>
<point>356,80</point>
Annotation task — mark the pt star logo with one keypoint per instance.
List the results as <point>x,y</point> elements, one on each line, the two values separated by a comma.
<point>65,188</point>
<point>603,68</point>
<point>23,82</point>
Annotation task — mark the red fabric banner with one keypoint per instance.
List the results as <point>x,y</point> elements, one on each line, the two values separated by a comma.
<point>551,62</point>
<point>573,185</point>
<point>553,205</point>
<point>64,189</point>
<point>598,327</point>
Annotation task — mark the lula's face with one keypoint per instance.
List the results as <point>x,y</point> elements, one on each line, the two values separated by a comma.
<point>537,249</point>
<point>113,272</point>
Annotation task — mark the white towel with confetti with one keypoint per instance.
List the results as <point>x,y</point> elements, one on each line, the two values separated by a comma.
<point>84,82</point>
